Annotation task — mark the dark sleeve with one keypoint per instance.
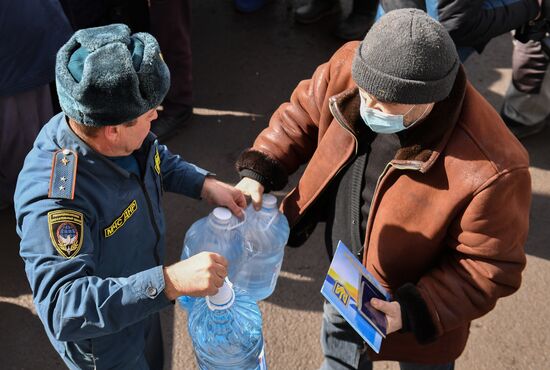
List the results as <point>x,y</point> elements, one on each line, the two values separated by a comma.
<point>180,176</point>
<point>415,315</point>
<point>474,23</point>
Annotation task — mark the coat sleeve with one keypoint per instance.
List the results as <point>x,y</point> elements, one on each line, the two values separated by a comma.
<point>296,126</point>
<point>484,261</point>
<point>179,176</point>
<point>71,300</point>
<point>475,23</point>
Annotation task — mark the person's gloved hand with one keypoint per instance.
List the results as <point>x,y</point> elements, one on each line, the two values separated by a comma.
<point>253,189</point>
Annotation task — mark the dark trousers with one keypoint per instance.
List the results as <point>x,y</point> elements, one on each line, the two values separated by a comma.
<point>170,22</point>
<point>21,117</point>
<point>529,66</point>
<point>344,349</point>
<point>154,349</point>
<point>528,96</point>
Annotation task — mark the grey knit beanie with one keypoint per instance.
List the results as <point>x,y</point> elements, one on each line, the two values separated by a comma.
<point>408,58</point>
<point>105,76</point>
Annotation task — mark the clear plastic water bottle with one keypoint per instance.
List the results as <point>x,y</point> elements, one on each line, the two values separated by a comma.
<point>226,331</point>
<point>267,233</point>
<point>220,233</point>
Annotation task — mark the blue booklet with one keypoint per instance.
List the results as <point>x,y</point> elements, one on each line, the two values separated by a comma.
<point>349,287</point>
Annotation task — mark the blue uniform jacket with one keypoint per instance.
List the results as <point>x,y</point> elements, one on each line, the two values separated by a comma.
<point>94,263</point>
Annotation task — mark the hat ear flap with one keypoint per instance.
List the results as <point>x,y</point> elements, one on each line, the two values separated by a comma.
<point>153,73</point>
<point>68,91</point>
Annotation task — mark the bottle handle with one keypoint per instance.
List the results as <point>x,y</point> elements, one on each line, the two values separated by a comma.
<point>271,221</point>
<point>239,224</point>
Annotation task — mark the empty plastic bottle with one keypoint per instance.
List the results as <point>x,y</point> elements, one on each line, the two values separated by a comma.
<point>226,331</point>
<point>220,233</point>
<point>267,232</point>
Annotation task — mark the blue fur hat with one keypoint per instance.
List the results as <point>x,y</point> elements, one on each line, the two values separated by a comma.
<point>104,76</point>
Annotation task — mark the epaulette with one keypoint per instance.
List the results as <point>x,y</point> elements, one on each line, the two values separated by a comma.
<point>63,177</point>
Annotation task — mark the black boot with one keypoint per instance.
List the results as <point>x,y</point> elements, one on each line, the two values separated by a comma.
<point>359,22</point>
<point>355,27</point>
<point>165,126</point>
<point>520,130</point>
<point>316,10</point>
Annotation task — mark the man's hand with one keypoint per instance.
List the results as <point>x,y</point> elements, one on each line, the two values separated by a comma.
<point>253,189</point>
<point>198,276</point>
<point>222,194</point>
<point>392,311</point>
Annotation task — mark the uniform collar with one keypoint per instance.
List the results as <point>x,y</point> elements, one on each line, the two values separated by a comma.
<point>67,138</point>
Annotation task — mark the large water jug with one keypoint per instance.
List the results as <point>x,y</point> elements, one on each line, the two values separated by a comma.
<point>226,331</point>
<point>220,233</point>
<point>267,232</point>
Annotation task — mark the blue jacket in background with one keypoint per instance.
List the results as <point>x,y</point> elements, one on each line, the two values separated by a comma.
<point>31,32</point>
<point>95,303</point>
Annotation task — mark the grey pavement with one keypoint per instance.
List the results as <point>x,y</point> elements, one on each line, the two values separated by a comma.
<point>244,67</point>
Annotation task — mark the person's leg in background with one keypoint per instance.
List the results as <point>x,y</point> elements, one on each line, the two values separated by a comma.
<point>315,10</point>
<point>360,20</point>
<point>170,22</point>
<point>21,118</point>
<point>353,27</point>
<point>527,100</point>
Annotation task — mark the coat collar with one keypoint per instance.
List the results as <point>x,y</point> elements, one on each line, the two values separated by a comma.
<point>422,144</point>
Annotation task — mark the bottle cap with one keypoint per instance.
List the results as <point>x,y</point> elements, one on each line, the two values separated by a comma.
<point>223,299</point>
<point>269,201</point>
<point>222,213</point>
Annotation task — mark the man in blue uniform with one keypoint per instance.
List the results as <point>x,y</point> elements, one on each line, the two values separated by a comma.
<point>88,206</point>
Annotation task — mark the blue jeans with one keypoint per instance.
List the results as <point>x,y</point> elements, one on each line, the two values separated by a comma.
<point>344,349</point>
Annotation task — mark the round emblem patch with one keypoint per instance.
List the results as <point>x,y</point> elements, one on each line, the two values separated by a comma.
<point>66,231</point>
<point>67,234</point>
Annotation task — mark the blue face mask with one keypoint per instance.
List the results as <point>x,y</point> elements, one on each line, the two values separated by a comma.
<point>383,123</point>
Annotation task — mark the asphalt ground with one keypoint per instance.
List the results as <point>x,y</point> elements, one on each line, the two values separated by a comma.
<point>244,67</point>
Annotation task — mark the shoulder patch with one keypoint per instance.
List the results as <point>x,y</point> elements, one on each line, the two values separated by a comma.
<point>121,220</point>
<point>63,176</point>
<point>66,231</point>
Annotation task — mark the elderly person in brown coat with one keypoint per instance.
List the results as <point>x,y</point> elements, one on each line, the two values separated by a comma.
<point>414,170</point>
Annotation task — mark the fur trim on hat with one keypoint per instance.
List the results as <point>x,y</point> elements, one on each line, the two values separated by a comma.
<point>112,90</point>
